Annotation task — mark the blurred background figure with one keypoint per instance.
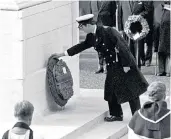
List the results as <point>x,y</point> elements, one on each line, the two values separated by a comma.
<point>162,46</point>
<point>145,9</point>
<point>23,112</point>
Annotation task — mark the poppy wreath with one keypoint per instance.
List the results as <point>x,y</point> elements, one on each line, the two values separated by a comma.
<point>59,80</point>
<point>136,24</point>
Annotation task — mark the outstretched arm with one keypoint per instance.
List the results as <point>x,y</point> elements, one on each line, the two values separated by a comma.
<point>89,42</point>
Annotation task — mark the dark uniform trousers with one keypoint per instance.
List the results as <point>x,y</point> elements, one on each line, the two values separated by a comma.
<point>133,48</point>
<point>115,108</point>
<point>141,53</point>
<point>101,59</point>
<point>149,41</point>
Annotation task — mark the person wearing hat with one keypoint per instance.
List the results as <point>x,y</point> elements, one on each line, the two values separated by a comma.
<point>152,121</point>
<point>118,88</point>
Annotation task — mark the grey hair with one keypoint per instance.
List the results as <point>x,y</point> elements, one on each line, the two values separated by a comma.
<point>23,110</point>
<point>160,86</point>
<point>157,90</point>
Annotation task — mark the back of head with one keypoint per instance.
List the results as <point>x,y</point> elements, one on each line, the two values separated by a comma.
<point>156,91</point>
<point>23,111</point>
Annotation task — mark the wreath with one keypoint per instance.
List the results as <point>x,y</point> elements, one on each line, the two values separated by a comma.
<point>136,27</point>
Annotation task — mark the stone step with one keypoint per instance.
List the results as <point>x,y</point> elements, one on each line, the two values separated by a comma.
<point>80,115</point>
<point>109,130</point>
<point>124,137</point>
<point>82,118</point>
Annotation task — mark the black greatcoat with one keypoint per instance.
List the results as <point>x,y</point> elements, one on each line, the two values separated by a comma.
<point>125,86</point>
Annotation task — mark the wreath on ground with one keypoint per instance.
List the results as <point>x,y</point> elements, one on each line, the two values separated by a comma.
<point>136,27</point>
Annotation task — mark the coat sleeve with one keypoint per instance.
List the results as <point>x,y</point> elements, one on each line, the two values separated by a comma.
<point>89,42</point>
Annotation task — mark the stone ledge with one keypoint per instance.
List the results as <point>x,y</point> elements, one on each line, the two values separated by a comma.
<point>14,5</point>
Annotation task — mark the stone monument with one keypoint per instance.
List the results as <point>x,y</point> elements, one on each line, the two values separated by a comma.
<point>30,32</point>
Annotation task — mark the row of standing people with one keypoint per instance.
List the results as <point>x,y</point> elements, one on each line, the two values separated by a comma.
<point>145,9</point>
<point>158,18</point>
<point>157,14</point>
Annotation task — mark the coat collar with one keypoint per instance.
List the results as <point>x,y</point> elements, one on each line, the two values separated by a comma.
<point>24,126</point>
<point>153,111</point>
<point>99,31</point>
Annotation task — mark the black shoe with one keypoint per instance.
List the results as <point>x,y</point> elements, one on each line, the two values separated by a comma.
<point>113,118</point>
<point>99,71</point>
<point>161,74</point>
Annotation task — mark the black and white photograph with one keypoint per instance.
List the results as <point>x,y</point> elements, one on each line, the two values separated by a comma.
<point>85,69</point>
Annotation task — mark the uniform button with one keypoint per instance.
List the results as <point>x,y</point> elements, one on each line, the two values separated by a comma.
<point>108,64</point>
<point>110,55</point>
<point>103,44</point>
<point>107,50</point>
<point>96,40</point>
<point>113,61</point>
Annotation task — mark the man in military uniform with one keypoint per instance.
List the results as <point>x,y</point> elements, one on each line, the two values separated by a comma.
<point>120,86</point>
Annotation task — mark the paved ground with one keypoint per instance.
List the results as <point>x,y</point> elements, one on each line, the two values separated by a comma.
<point>125,137</point>
<point>89,63</point>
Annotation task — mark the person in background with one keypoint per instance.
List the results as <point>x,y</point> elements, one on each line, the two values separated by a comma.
<point>152,121</point>
<point>111,44</point>
<point>158,12</point>
<point>164,41</point>
<point>145,9</point>
<point>23,113</point>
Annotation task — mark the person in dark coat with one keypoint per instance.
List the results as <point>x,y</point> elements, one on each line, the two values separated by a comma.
<point>120,87</point>
<point>158,12</point>
<point>164,42</point>
<point>145,9</point>
<point>152,121</point>
<point>106,17</point>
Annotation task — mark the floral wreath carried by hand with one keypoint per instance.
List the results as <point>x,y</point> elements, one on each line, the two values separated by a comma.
<point>136,27</point>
